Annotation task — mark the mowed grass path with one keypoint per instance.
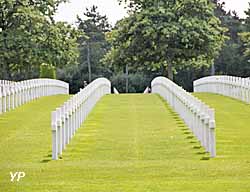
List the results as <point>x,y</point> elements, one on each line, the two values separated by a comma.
<point>129,143</point>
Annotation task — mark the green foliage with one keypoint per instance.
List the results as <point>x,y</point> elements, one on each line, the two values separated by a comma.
<point>230,60</point>
<point>92,47</point>
<point>76,77</point>
<point>95,46</point>
<point>168,33</point>
<point>188,74</point>
<point>47,71</point>
<point>29,36</point>
<point>247,20</point>
<point>136,82</point>
<point>245,37</point>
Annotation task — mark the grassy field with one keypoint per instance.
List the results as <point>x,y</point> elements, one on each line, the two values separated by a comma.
<point>130,143</point>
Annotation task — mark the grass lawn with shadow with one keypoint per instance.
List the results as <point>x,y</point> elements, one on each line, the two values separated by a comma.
<point>129,143</point>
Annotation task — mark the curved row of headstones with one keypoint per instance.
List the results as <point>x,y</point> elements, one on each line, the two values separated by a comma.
<point>235,87</point>
<point>72,114</point>
<point>199,117</point>
<point>15,94</point>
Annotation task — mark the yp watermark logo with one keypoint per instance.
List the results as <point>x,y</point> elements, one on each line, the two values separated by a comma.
<point>16,176</point>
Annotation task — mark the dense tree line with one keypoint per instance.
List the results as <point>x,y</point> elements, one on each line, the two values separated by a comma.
<point>233,58</point>
<point>92,47</point>
<point>167,33</point>
<point>181,39</point>
<point>30,36</point>
<point>166,37</point>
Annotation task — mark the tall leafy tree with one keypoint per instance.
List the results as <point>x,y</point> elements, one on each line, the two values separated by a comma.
<point>29,36</point>
<point>167,33</point>
<point>247,20</point>
<point>245,37</point>
<point>230,60</point>
<point>93,48</point>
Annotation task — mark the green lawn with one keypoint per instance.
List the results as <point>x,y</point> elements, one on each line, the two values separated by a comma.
<point>129,143</point>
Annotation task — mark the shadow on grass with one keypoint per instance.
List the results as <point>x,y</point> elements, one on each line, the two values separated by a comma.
<point>45,160</point>
<point>197,147</point>
<point>193,142</point>
<point>182,126</point>
<point>205,158</point>
<point>186,131</point>
<point>49,155</point>
<point>190,137</point>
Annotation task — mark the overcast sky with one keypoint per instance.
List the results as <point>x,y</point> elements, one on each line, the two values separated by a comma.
<point>111,8</point>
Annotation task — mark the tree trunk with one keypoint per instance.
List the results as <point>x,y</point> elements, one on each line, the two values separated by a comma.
<point>5,63</point>
<point>127,78</point>
<point>212,70</point>
<point>88,60</point>
<point>170,72</point>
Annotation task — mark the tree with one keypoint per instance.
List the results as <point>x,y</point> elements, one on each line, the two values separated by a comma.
<point>29,36</point>
<point>245,37</point>
<point>247,20</point>
<point>166,33</point>
<point>47,71</point>
<point>230,60</point>
<point>94,47</point>
<point>245,34</point>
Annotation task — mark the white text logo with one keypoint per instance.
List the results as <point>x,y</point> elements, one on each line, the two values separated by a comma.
<point>17,175</point>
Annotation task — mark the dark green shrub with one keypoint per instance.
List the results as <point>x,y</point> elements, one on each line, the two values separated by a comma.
<point>47,71</point>
<point>137,82</point>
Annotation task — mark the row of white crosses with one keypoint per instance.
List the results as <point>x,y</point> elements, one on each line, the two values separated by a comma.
<point>5,82</point>
<point>197,116</point>
<point>15,94</point>
<point>72,114</point>
<point>235,87</point>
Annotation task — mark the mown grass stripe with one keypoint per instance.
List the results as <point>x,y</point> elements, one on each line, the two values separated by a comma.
<point>129,143</point>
